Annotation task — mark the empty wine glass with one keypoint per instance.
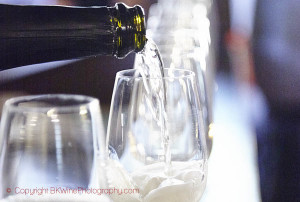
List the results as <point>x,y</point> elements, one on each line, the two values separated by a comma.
<point>50,146</point>
<point>168,164</point>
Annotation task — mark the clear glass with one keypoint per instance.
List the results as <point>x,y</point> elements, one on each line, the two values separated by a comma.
<point>184,49</point>
<point>134,136</point>
<point>182,27</point>
<point>50,143</point>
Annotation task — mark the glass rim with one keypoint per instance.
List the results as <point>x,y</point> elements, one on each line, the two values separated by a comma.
<point>184,73</point>
<point>83,100</point>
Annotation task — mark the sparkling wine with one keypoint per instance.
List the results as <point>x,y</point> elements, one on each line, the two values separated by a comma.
<point>185,182</point>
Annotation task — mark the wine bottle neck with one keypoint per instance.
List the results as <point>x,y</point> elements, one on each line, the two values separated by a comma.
<point>36,34</point>
<point>129,24</point>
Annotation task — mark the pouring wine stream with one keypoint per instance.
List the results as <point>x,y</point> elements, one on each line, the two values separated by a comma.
<point>151,68</point>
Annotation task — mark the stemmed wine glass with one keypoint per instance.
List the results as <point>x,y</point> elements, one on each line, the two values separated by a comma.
<point>161,143</point>
<point>50,146</point>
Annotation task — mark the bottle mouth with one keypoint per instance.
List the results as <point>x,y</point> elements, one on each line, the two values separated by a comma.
<point>131,30</point>
<point>140,29</point>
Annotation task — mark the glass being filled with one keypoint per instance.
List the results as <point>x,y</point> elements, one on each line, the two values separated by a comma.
<point>156,130</point>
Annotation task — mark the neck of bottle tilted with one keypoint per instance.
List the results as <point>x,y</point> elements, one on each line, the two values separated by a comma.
<point>37,34</point>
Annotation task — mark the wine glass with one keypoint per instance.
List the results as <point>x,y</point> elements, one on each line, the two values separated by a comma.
<point>165,160</point>
<point>50,146</point>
